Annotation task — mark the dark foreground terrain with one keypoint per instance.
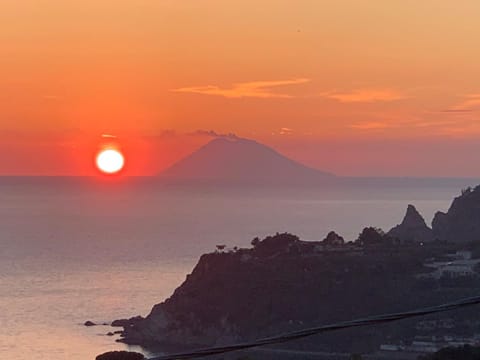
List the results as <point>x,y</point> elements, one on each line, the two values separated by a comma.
<point>282,284</point>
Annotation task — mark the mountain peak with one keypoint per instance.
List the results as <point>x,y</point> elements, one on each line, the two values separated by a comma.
<point>461,223</point>
<point>412,228</point>
<point>413,218</point>
<point>238,160</point>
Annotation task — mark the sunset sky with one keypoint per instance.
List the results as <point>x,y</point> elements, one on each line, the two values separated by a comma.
<point>353,87</point>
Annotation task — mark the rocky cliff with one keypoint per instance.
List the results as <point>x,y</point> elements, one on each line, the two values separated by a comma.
<point>413,228</point>
<point>284,284</point>
<point>461,223</point>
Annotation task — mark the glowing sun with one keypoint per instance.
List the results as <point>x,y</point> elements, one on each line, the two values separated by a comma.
<point>110,161</point>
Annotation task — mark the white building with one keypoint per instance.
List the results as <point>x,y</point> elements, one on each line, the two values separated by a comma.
<point>460,265</point>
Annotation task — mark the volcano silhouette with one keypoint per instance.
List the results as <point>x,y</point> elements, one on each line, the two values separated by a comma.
<point>237,160</point>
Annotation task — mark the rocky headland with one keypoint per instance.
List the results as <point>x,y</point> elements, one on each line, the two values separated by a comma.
<point>282,283</point>
<point>461,223</point>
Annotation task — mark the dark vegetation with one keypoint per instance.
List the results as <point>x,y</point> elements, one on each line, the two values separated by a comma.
<point>120,355</point>
<point>466,352</point>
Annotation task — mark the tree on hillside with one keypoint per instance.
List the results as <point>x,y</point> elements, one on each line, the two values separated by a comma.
<point>333,239</point>
<point>280,242</point>
<point>371,236</point>
<point>255,241</point>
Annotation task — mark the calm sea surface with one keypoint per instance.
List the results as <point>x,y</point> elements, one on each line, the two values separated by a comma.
<point>73,250</point>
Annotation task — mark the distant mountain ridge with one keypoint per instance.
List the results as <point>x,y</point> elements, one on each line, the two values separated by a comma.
<point>237,160</point>
<point>461,223</point>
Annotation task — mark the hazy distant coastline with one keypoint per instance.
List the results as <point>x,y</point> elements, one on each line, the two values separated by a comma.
<point>159,180</point>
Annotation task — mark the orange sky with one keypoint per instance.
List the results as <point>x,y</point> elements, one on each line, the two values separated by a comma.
<point>355,87</point>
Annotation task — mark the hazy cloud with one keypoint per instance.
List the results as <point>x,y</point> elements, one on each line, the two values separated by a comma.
<point>372,125</point>
<point>172,134</point>
<point>434,127</point>
<point>163,134</point>
<point>256,89</point>
<point>433,123</point>
<point>286,131</point>
<point>214,134</point>
<point>461,131</point>
<point>470,101</point>
<point>109,136</point>
<point>456,111</point>
<point>365,95</point>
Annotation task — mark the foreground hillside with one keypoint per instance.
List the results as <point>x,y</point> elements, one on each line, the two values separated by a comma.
<point>283,284</point>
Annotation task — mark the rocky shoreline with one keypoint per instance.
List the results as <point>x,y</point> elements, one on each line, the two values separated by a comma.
<point>283,283</point>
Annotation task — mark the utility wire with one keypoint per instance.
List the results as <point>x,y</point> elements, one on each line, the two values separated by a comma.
<point>371,320</point>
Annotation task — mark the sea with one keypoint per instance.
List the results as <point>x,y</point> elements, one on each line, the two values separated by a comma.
<point>99,249</point>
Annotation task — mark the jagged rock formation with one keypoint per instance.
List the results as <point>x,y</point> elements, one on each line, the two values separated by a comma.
<point>413,228</point>
<point>461,223</point>
<point>243,161</point>
<point>126,322</point>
